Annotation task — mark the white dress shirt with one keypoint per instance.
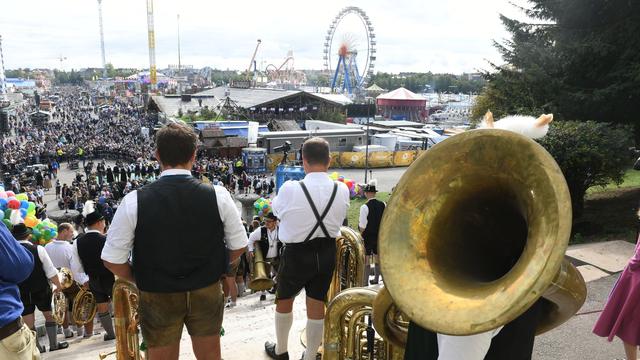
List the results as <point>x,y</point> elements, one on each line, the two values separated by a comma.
<point>272,235</point>
<point>49,270</point>
<point>61,253</point>
<point>121,233</point>
<point>295,214</point>
<point>468,347</point>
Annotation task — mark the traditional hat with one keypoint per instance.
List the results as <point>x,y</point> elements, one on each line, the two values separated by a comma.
<point>371,187</point>
<point>20,231</point>
<point>91,213</point>
<point>271,216</point>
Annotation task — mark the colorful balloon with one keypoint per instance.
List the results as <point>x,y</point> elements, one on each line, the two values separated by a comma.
<point>30,221</point>
<point>22,197</point>
<point>13,204</point>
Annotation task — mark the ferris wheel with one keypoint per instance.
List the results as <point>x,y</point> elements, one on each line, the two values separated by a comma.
<point>350,50</point>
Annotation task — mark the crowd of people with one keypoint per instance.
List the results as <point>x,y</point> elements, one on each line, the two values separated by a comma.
<point>77,129</point>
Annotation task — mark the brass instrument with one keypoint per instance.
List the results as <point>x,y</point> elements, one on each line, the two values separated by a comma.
<point>84,307</point>
<point>260,279</point>
<point>348,334</point>
<point>349,262</point>
<point>459,216</point>
<point>59,300</point>
<point>125,309</point>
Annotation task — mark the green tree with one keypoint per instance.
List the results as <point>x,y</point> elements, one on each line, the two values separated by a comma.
<point>589,154</point>
<point>579,59</point>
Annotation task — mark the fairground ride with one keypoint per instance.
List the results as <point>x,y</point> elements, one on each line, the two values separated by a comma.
<point>350,49</point>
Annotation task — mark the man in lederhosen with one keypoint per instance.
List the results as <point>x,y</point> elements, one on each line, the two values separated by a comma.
<point>266,237</point>
<point>88,248</point>
<point>179,252</point>
<point>369,224</point>
<point>36,292</point>
<point>310,212</point>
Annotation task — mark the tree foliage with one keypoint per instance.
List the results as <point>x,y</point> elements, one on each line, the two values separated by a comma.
<point>422,82</point>
<point>579,59</point>
<point>590,154</point>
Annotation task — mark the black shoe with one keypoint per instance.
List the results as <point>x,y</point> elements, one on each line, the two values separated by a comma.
<point>42,349</point>
<point>373,282</point>
<point>272,290</point>
<point>263,297</point>
<point>106,337</point>
<point>61,345</point>
<point>270,349</point>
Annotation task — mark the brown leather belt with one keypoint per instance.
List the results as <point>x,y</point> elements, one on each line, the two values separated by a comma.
<point>10,328</point>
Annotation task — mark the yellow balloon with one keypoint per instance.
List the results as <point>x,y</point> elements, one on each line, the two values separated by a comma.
<point>22,196</point>
<point>30,221</point>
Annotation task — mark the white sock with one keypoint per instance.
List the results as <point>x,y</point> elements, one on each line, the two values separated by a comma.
<point>314,338</point>
<point>283,325</point>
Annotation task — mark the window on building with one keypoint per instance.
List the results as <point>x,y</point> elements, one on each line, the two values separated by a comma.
<point>342,142</point>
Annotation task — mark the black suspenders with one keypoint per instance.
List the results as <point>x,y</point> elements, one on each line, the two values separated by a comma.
<point>319,218</point>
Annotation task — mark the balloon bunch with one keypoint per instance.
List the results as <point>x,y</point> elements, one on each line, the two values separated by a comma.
<point>44,232</point>
<point>18,209</point>
<point>354,189</point>
<point>262,206</point>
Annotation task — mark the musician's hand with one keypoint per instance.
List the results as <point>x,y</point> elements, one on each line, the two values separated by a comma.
<point>85,286</point>
<point>250,255</point>
<point>56,289</point>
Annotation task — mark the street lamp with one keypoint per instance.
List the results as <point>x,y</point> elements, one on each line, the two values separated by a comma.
<point>366,148</point>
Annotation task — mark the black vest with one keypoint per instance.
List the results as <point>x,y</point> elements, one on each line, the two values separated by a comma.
<point>376,208</point>
<point>89,250</point>
<point>264,242</point>
<point>179,238</point>
<point>37,281</point>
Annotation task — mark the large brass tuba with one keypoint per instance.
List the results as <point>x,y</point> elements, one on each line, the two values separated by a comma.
<point>59,300</point>
<point>125,309</point>
<point>476,232</point>
<point>260,279</point>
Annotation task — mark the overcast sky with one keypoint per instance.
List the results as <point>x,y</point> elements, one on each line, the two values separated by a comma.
<point>412,35</point>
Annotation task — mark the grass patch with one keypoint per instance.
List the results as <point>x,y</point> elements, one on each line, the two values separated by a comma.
<point>631,179</point>
<point>354,210</point>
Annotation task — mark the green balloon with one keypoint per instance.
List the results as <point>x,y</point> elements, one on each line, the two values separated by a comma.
<point>7,213</point>
<point>32,207</point>
<point>7,223</point>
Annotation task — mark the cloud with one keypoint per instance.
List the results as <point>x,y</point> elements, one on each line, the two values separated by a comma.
<point>412,35</point>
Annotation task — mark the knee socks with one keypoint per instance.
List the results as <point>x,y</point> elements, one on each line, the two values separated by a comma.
<point>314,338</point>
<point>52,334</point>
<point>107,324</point>
<point>283,325</point>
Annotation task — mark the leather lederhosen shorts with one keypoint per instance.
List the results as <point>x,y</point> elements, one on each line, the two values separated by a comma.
<point>309,266</point>
<point>163,315</point>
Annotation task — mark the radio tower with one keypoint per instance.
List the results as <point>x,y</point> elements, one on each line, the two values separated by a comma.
<point>104,62</point>
<point>152,47</point>
<point>3,85</point>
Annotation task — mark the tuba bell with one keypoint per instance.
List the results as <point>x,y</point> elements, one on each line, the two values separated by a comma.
<point>125,313</point>
<point>59,300</point>
<point>475,233</point>
<point>260,279</point>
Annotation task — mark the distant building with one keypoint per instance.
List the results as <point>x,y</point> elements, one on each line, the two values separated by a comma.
<point>339,139</point>
<point>216,143</point>
<point>402,104</point>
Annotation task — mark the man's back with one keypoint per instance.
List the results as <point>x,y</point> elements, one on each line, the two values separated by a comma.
<point>296,217</point>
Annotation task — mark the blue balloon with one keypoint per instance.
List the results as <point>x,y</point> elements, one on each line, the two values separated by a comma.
<point>3,204</point>
<point>23,212</point>
<point>24,204</point>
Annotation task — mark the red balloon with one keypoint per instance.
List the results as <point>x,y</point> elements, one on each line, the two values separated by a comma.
<point>13,204</point>
<point>11,193</point>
